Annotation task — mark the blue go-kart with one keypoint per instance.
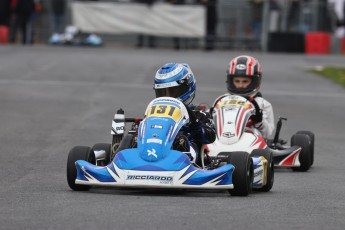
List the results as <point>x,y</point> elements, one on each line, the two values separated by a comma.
<point>151,162</point>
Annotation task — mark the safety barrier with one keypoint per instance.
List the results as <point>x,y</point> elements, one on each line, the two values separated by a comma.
<point>3,34</point>
<point>317,43</point>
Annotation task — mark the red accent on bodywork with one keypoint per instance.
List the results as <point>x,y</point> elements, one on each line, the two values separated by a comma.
<point>238,123</point>
<point>261,141</point>
<point>290,160</point>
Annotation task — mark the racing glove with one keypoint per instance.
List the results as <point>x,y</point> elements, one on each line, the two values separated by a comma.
<point>257,118</point>
<point>203,127</point>
<point>196,126</point>
<point>201,118</point>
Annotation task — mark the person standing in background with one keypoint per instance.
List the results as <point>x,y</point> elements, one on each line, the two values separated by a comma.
<point>344,13</point>
<point>176,40</point>
<point>211,22</point>
<point>23,11</point>
<point>33,20</point>
<point>5,12</point>
<point>58,12</point>
<point>257,8</point>
<point>337,8</point>
<point>150,39</point>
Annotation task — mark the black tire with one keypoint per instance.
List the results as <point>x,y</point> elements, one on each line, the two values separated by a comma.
<point>78,153</point>
<point>270,170</point>
<point>303,141</point>
<point>242,177</point>
<point>106,147</point>
<point>312,141</point>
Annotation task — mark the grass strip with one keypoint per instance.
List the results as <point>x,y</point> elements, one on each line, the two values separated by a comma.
<point>334,73</point>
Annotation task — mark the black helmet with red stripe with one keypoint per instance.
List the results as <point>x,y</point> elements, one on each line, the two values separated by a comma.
<point>248,67</point>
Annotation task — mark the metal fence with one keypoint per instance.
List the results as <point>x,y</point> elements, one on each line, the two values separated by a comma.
<point>241,27</point>
<point>242,24</point>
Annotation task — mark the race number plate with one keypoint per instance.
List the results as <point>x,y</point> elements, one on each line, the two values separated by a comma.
<point>170,111</point>
<point>237,103</point>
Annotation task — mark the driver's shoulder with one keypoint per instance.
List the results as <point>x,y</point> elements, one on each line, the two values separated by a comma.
<point>263,102</point>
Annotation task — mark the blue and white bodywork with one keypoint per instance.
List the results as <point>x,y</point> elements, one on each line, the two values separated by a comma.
<point>153,163</point>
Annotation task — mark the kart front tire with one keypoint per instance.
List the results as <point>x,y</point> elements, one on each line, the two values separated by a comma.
<point>312,141</point>
<point>242,177</point>
<point>270,170</point>
<point>305,156</point>
<point>78,153</point>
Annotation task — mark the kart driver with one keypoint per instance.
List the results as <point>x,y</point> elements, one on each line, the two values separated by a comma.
<point>178,81</point>
<point>243,77</point>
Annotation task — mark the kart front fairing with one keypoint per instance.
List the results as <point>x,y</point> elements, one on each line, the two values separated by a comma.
<point>231,116</point>
<point>153,163</point>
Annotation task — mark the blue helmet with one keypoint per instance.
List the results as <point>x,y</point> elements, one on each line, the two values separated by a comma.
<point>175,80</point>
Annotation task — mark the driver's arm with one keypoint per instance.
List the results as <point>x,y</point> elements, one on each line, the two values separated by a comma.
<point>266,127</point>
<point>203,129</point>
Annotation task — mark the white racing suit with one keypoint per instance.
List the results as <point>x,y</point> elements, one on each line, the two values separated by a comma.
<point>266,127</point>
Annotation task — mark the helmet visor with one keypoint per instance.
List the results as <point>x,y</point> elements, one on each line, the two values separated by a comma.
<point>250,88</point>
<point>175,91</point>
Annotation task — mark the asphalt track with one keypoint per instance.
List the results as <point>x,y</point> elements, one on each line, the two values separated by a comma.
<point>54,98</point>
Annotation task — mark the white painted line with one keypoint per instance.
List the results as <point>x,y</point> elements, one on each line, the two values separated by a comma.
<point>150,86</point>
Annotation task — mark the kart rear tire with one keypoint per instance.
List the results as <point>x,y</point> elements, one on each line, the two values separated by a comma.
<point>242,177</point>
<point>103,146</point>
<point>312,141</point>
<point>305,155</point>
<point>78,153</point>
<point>270,170</point>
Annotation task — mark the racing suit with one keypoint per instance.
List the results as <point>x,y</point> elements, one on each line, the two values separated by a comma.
<point>197,132</point>
<point>266,126</point>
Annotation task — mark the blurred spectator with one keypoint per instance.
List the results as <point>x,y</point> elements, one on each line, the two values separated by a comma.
<point>33,20</point>
<point>337,8</point>
<point>343,18</point>
<point>274,16</point>
<point>150,39</point>
<point>23,11</point>
<point>257,8</point>
<point>327,15</point>
<point>293,14</point>
<point>176,40</point>
<point>211,22</point>
<point>5,12</point>
<point>58,15</point>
